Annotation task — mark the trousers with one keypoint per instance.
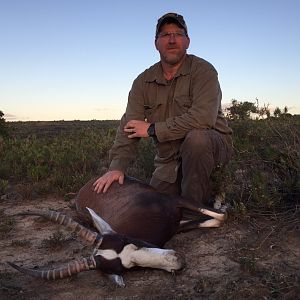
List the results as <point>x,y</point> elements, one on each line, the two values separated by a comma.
<point>201,152</point>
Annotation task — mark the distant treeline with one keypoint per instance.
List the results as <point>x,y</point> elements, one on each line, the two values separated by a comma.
<point>55,128</point>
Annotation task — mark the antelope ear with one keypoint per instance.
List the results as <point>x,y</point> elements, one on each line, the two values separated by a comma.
<point>99,223</point>
<point>117,279</point>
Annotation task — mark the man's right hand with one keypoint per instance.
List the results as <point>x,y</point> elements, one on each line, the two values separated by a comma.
<point>104,182</point>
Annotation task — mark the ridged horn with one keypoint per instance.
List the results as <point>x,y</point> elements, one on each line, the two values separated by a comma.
<point>74,267</point>
<point>57,217</point>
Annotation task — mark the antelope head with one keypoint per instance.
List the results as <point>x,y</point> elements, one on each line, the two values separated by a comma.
<point>113,253</point>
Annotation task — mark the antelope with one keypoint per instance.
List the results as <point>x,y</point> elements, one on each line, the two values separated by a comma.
<point>134,221</point>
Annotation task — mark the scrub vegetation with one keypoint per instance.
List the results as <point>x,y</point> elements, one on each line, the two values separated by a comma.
<point>59,157</point>
<point>254,256</point>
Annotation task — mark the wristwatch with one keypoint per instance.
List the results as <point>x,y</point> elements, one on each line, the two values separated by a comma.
<point>151,130</point>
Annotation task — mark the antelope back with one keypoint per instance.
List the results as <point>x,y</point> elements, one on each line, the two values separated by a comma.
<point>134,209</point>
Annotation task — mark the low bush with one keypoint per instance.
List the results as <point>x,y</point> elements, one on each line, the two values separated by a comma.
<point>263,174</point>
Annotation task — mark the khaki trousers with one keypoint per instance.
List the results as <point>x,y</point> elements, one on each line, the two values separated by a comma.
<point>201,152</point>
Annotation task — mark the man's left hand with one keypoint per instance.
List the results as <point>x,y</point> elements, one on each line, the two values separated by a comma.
<point>137,128</point>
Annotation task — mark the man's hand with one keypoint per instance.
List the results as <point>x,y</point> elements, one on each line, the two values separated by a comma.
<point>137,128</point>
<point>104,182</point>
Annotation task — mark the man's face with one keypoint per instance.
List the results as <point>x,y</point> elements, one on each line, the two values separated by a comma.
<point>172,44</point>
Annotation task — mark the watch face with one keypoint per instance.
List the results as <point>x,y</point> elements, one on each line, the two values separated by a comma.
<point>150,130</point>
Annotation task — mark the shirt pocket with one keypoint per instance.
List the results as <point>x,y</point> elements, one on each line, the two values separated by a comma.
<point>152,112</point>
<point>182,104</point>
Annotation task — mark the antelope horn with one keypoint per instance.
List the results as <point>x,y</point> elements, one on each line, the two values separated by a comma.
<point>74,267</point>
<point>88,235</point>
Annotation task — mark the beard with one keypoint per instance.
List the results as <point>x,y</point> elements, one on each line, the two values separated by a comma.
<point>172,58</point>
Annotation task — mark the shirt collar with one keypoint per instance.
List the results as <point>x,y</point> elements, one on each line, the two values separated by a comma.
<point>155,73</point>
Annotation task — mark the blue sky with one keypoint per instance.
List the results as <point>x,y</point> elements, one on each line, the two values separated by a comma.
<point>76,60</point>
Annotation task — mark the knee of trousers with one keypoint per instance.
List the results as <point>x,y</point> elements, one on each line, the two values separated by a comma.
<point>197,141</point>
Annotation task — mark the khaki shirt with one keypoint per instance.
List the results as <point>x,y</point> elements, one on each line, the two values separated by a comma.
<point>192,100</point>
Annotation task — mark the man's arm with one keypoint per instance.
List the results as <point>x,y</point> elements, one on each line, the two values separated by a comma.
<point>124,148</point>
<point>206,101</point>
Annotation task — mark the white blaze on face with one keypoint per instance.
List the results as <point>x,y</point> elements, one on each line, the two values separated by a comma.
<point>157,258</point>
<point>108,254</point>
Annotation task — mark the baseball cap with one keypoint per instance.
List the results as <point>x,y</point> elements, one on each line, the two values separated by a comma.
<point>172,18</point>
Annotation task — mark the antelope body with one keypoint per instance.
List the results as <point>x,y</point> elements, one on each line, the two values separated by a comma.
<point>138,210</point>
<point>134,222</point>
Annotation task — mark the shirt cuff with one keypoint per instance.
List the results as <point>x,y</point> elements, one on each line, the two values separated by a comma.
<point>119,164</point>
<point>162,131</point>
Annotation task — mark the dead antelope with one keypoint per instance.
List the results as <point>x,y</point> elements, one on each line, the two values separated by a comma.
<point>134,221</point>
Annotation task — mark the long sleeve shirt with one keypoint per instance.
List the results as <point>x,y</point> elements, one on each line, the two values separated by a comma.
<point>191,100</point>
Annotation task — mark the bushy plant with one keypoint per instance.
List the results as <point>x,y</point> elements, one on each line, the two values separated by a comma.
<point>3,186</point>
<point>65,161</point>
<point>263,174</point>
<point>3,127</point>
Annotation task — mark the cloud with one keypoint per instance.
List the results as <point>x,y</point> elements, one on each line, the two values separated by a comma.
<point>10,117</point>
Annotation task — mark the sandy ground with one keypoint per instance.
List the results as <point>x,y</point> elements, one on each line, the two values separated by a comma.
<point>254,257</point>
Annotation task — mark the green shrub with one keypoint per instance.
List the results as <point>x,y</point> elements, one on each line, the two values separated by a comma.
<point>66,161</point>
<point>263,174</point>
<point>3,127</point>
<point>3,186</point>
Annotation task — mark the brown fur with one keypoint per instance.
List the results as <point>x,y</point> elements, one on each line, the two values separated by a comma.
<point>134,209</point>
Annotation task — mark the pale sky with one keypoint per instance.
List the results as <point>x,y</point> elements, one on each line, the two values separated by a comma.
<point>76,59</point>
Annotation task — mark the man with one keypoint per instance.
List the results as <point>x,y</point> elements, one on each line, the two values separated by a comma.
<point>177,102</point>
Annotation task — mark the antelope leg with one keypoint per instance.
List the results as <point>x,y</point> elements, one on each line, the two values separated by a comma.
<point>196,224</point>
<point>216,215</point>
<point>210,223</point>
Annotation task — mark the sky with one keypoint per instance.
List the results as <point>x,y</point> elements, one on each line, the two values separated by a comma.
<point>77,59</point>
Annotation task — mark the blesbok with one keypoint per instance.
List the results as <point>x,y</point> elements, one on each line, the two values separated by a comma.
<point>134,221</point>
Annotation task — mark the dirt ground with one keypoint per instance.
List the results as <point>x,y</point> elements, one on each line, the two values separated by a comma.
<point>254,257</point>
